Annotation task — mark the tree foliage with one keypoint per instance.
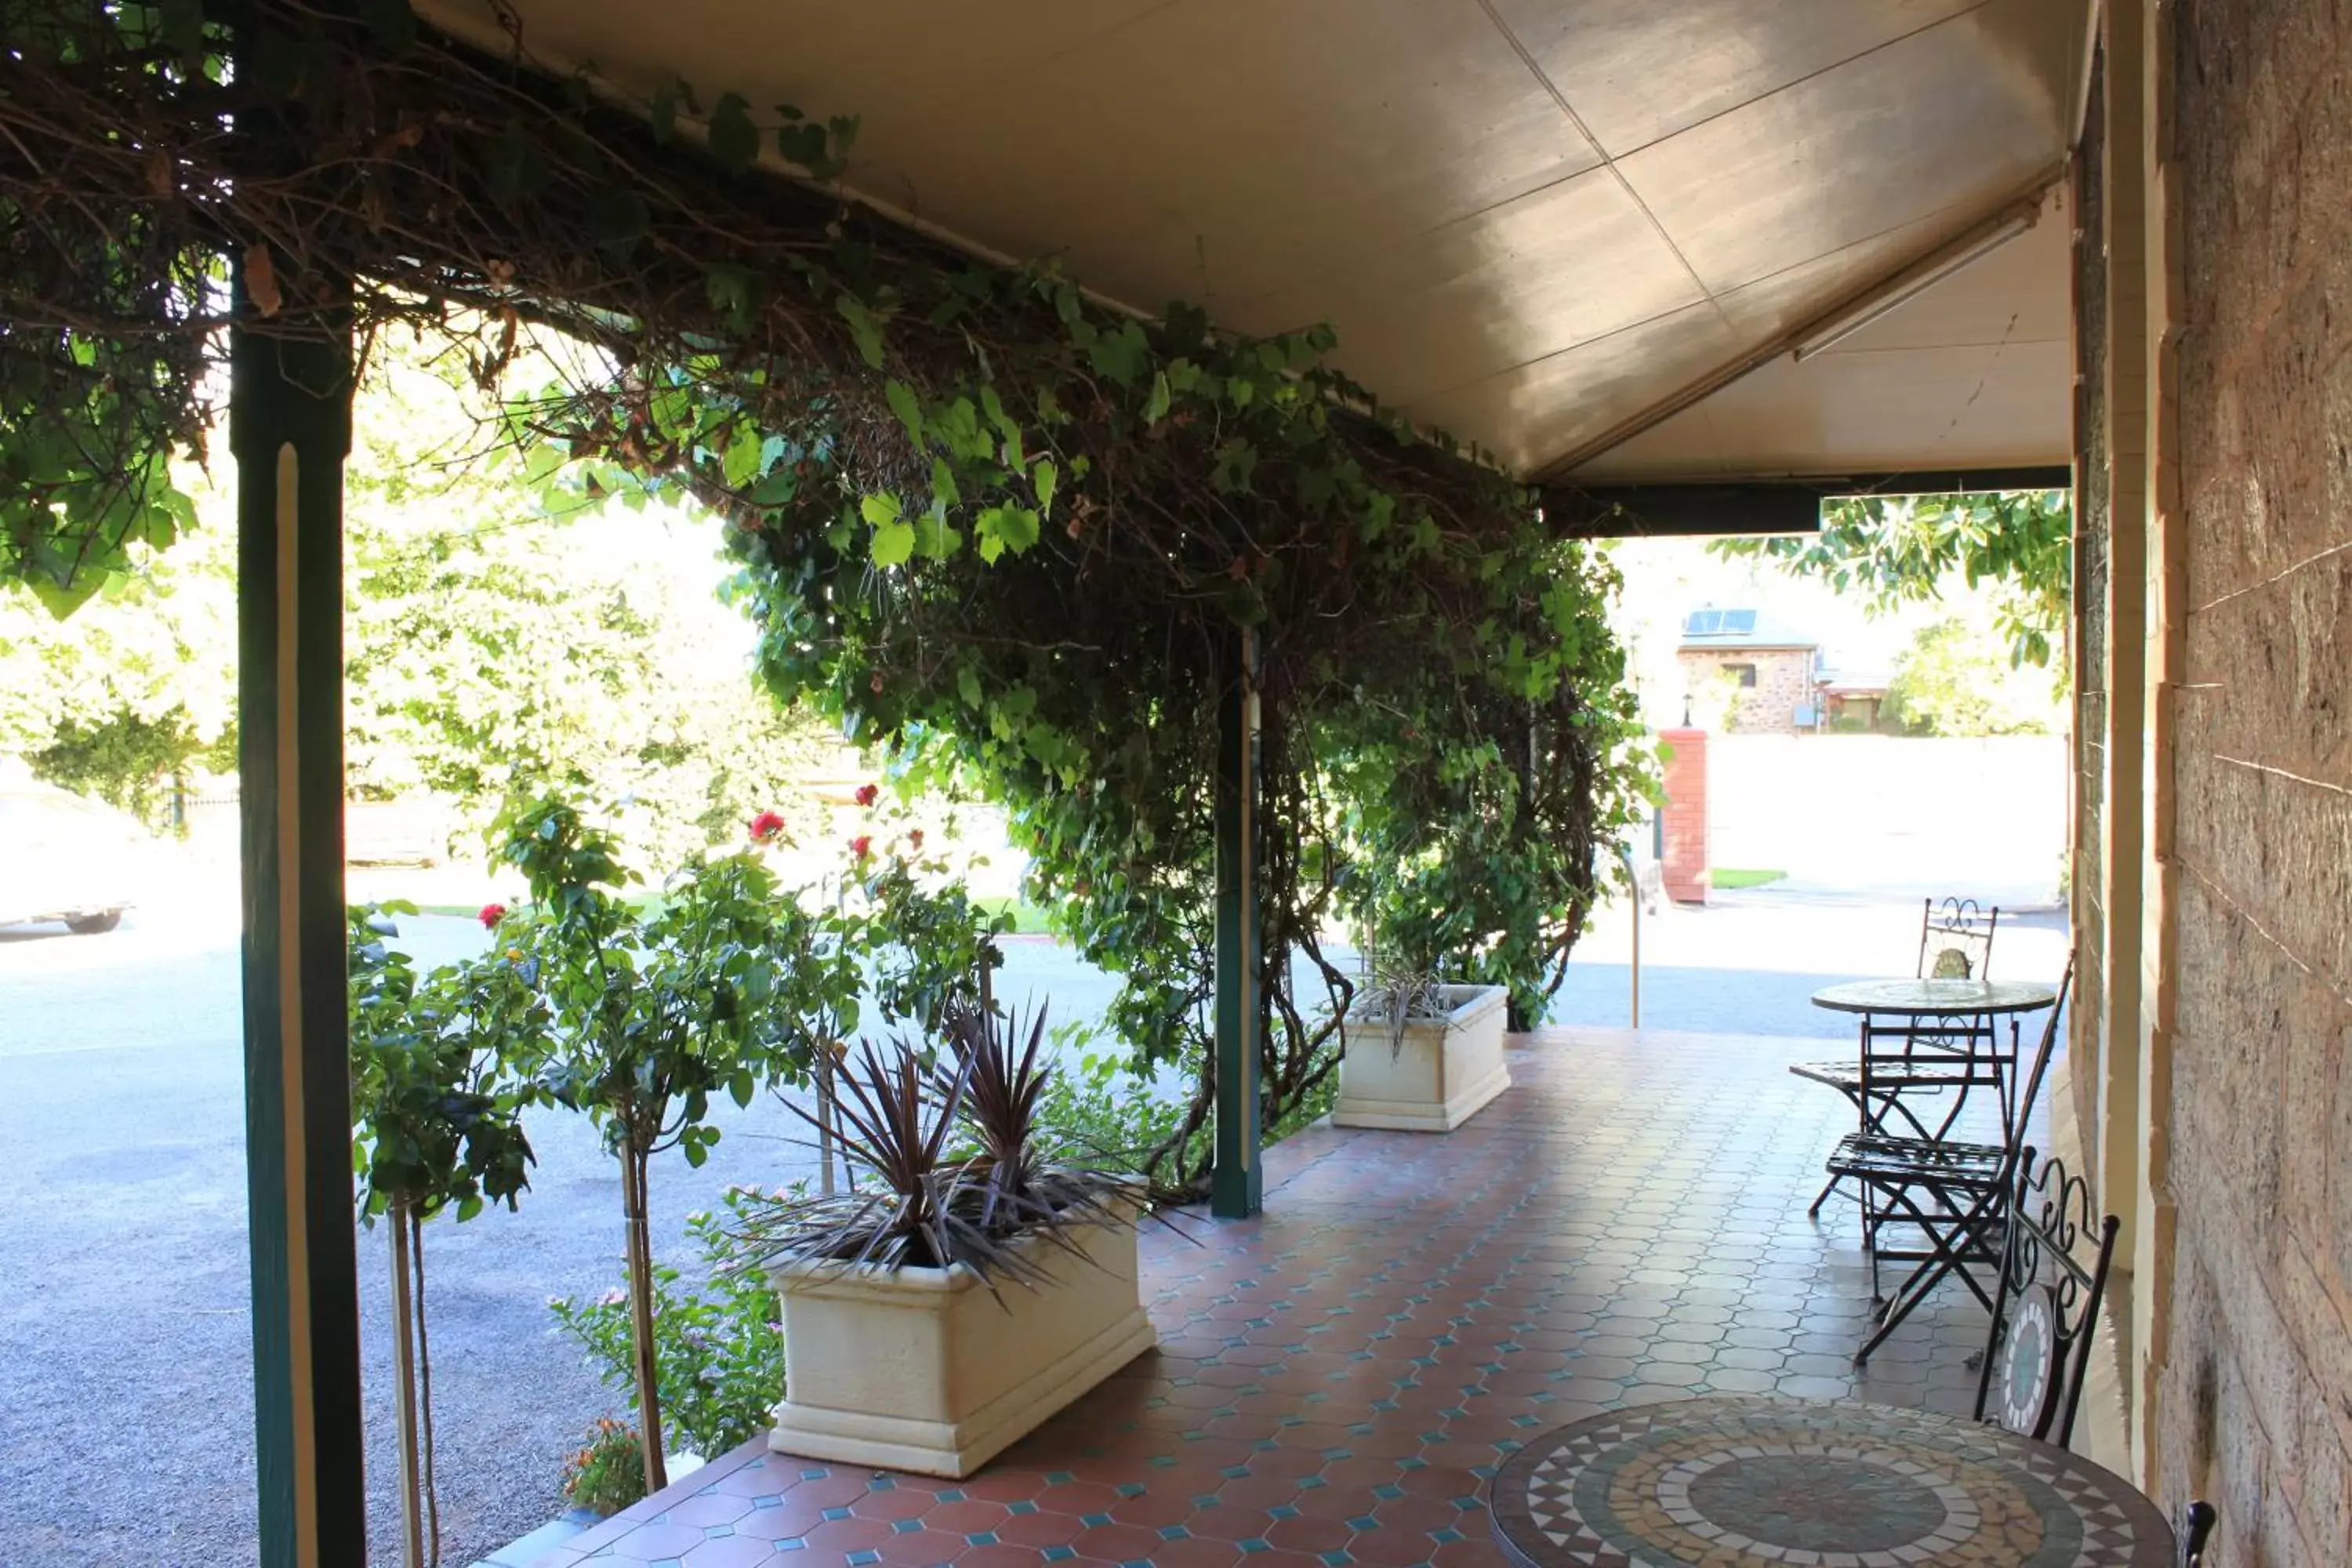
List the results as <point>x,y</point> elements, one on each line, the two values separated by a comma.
<point>1898,549</point>
<point>1009,535</point>
<point>1955,679</point>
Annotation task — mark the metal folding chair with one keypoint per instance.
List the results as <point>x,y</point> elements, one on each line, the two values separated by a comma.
<point>2046,1309</point>
<point>1952,1198</point>
<point>1955,943</point>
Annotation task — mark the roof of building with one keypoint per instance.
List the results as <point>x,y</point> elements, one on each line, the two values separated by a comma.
<point>1739,629</point>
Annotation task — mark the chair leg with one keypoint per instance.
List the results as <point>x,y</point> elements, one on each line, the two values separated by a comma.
<point>1827,1188</point>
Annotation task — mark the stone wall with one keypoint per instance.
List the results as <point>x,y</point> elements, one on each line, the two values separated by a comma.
<point>2256,1408</point>
<point>2091,525</point>
<point>1784,680</point>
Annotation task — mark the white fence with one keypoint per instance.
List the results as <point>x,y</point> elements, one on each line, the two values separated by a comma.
<point>1983,815</point>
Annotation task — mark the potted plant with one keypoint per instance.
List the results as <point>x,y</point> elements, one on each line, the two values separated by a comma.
<point>1420,1054</point>
<point>966,1287</point>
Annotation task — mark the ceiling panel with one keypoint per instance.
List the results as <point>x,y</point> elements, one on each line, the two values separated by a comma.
<point>1637,70</point>
<point>1977,370</point>
<point>1923,409</point>
<point>1414,172</point>
<point>1557,404</point>
<point>1963,114</point>
<point>1513,283</point>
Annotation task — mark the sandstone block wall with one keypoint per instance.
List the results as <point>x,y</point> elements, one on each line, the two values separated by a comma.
<point>2256,1401</point>
<point>1784,680</point>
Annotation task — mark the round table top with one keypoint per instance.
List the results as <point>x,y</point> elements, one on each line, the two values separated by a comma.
<point>1763,1483</point>
<point>1965,997</point>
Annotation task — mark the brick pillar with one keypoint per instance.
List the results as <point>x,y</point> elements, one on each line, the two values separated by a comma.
<point>1685,853</point>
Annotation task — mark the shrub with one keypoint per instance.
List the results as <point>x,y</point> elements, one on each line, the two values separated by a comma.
<point>719,1349</point>
<point>609,1474</point>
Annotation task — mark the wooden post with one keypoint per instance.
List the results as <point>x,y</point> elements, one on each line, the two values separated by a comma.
<point>1236,1189</point>
<point>289,427</point>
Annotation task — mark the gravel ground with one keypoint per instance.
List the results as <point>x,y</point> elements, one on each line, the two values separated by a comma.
<point>125,1364</point>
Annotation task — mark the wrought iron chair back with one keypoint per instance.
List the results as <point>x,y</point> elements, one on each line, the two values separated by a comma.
<point>1955,939</point>
<point>2196,1528</point>
<point>2046,1310</point>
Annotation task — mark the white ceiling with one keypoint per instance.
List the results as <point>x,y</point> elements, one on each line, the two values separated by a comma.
<point>1539,224</point>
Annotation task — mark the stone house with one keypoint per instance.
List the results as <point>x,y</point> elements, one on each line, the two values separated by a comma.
<point>1763,676</point>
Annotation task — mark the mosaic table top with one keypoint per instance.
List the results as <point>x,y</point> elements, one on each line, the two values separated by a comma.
<point>1784,1483</point>
<point>1966,998</point>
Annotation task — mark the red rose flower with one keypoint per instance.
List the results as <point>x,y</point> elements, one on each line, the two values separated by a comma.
<point>862,846</point>
<point>491,915</point>
<point>766,826</point>
<point>914,838</point>
<point>868,795</point>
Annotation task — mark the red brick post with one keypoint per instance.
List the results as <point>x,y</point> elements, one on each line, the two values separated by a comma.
<point>1685,863</point>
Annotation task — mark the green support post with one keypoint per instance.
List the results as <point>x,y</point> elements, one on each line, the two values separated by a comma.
<point>1235,1189</point>
<point>289,427</point>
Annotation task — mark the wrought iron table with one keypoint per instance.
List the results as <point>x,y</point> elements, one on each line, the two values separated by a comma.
<point>1768,1483</point>
<point>1937,998</point>
<point>1950,1024</point>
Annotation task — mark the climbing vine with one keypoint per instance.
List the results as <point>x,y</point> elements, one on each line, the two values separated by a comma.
<point>1007,533</point>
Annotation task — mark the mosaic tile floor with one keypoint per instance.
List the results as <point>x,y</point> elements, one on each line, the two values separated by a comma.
<point>1338,1380</point>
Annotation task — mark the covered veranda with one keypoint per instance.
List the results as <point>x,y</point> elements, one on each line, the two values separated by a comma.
<point>1689,267</point>
<point>1339,1381</point>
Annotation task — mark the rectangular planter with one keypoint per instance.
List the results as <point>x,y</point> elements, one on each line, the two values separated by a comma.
<point>1443,1073</point>
<point>925,1370</point>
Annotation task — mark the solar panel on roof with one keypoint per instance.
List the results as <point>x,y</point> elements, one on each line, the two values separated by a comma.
<point>1719,622</point>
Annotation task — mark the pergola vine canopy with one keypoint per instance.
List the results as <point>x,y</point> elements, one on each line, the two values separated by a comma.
<point>1002,530</point>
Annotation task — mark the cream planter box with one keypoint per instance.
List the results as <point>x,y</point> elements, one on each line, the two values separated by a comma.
<point>926,1369</point>
<point>1445,1071</point>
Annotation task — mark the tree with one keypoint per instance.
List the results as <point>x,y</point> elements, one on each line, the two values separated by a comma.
<point>138,687</point>
<point>439,1079</point>
<point>652,1014</point>
<point>1899,550</point>
<point>1955,680</point>
<point>490,645</point>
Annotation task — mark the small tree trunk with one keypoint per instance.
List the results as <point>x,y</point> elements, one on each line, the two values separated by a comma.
<point>635,1163</point>
<point>404,1375</point>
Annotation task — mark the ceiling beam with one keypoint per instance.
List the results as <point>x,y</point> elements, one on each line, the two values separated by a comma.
<point>1749,509</point>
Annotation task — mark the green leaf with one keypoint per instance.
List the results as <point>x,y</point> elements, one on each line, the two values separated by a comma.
<point>741,463</point>
<point>733,290</point>
<point>734,140</point>
<point>1003,527</point>
<point>1120,354</point>
<point>865,327</point>
<point>1046,478</point>
<point>935,536</point>
<point>1155,408</point>
<point>894,543</point>
<point>903,403</point>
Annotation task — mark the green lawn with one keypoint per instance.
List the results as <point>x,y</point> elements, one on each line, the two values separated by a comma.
<point>1028,919</point>
<point>1728,880</point>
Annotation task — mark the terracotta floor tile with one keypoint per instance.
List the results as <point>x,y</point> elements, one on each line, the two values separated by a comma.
<point>1628,1220</point>
<point>923,1548</point>
<point>1037,1529</point>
